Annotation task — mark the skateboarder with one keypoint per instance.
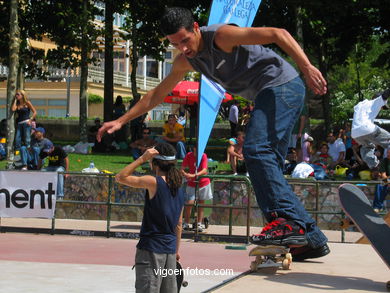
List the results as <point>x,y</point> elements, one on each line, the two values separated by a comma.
<point>157,249</point>
<point>235,58</point>
<point>365,132</point>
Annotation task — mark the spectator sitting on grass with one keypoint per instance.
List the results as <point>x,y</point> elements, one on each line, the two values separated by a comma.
<point>105,145</point>
<point>291,161</point>
<point>173,133</point>
<point>58,162</point>
<point>323,156</point>
<point>336,149</point>
<point>30,156</point>
<point>382,189</point>
<point>139,146</point>
<point>355,164</point>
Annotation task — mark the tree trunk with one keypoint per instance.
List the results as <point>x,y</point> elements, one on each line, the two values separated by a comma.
<point>325,98</point>
<point>134,62</point>
<point>20,81</point>
<point>83,80</point>
<point>108,61</point>
<point>299,27</point>
<point>14,47</point>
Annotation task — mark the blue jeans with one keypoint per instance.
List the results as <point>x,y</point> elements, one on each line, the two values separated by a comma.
<point>60,182</point>
<point>23,135</point>
<point>30,157</point>
<point>180,148</point>
<point>265,148</point>
<point>369,142</point>
<point>380,196</point>
<point>136,153</point>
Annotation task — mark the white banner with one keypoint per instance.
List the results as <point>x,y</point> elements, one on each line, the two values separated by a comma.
<point>27,194</point>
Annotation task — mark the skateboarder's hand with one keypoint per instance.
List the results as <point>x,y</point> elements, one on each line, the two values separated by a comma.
<point>177,256</point>
<point>109,127</point>
<point>315,80</point>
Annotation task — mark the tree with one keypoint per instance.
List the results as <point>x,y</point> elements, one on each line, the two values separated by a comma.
<point>371,79</point>
<point>108,59</point>
<point>330,32</point>
<point>13,62</point>
<point>143,31</point>
<point>75,35</point>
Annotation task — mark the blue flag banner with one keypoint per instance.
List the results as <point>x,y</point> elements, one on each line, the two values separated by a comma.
<point>241,13</point>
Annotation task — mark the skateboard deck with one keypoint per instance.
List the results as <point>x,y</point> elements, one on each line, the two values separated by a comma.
<point>180,277</point>
<point>358,208</point>
<point>271,258</point>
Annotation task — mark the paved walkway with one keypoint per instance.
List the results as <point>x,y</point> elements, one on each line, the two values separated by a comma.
<point>68,263</point>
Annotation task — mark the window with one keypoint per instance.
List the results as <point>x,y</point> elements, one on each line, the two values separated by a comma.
<point>39,102</point>
<point>167,69</point>
<point>57,102</point>
<point>152,69</point>
<point>41,112</point>
<point>57,113</point>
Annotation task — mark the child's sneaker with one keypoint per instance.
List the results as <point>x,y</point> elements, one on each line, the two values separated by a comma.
<point>185,226</point>
<point>200,227</point>
<point>280,232</point>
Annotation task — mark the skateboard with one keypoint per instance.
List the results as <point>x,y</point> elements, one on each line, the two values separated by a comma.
<point>271,258</point>
<point>180,277</point>
<point>358,208</point>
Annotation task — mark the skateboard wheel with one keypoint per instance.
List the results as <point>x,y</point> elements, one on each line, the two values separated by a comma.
<point>253,266</point>
<point>184,284</point>
<point>286,264</point>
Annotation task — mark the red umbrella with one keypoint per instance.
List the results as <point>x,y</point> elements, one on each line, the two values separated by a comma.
<point>187,92</point>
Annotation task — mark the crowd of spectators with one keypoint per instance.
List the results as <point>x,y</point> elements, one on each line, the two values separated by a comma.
<point>339,156</point>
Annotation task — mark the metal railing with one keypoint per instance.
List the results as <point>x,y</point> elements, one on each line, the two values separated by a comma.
<point>210,237</point>
<point>95,74</point>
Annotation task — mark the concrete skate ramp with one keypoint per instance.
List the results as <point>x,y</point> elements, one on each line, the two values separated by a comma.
<point>348,268</point>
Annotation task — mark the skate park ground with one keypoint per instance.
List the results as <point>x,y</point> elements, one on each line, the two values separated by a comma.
<point>32,262</point>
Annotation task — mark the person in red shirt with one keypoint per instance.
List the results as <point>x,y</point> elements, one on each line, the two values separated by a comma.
<point>188,169</point>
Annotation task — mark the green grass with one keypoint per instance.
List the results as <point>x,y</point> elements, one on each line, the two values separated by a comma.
<point>113,162</point>
<point>116,161</point>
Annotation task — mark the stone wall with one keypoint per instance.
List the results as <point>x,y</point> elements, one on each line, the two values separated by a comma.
<point>96,189</point>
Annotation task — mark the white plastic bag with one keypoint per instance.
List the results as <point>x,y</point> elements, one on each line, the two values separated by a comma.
<point>68,149</point>
<point>302,170</point>
<point>82,147</point>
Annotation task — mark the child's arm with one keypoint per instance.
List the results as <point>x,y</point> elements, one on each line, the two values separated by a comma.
<point>179,229</point>
<point>149,182</point>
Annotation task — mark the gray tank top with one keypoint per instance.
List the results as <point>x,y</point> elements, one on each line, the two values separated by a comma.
<point>245,71</point>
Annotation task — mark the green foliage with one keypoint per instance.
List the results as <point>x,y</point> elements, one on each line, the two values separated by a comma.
<point>95,99</point>
<point>357,80</point>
